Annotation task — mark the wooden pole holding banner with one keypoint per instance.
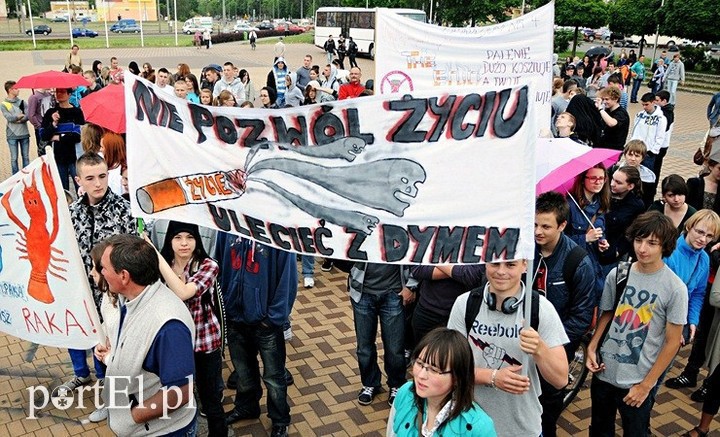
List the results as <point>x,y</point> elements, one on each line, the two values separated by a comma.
<point>527,311</point>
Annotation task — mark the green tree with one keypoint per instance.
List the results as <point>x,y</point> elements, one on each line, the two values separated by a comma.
<point>580,13</point>
<point>634,17</point>
<point>692,19</point>
<point>464,12</point>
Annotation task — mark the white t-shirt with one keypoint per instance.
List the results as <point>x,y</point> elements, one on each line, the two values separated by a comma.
<point>495,342</point>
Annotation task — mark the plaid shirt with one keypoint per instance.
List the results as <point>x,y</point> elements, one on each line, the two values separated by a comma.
<point>207,327</point>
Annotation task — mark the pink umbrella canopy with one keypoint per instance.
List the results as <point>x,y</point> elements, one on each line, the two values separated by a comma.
<point>51,79</point>
<point>106,108</point>
<point>569,159</point>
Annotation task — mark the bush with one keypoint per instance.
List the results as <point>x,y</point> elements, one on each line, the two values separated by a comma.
<point>692,57</point>
<point>561,40</point>
<point>710,65</point>
<point>232,37</point>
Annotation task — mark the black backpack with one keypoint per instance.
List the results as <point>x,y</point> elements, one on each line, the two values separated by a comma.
<point>475,300</point>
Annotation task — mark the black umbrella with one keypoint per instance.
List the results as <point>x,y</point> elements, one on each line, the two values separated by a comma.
<point>600,50</point>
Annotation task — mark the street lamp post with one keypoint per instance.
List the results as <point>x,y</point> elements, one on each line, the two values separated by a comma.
<point>32,28</point>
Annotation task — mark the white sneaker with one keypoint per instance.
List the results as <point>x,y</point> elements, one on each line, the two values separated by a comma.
<point>309,282</point>
<point>77,382</point>
<point>98,415</point>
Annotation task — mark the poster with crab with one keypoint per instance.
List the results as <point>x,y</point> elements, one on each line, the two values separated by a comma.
<point>45,297</point>
<point>413,56</point>
<point>436,177</point>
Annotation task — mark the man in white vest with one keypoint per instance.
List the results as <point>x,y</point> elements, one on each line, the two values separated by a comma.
<point>150,368</point>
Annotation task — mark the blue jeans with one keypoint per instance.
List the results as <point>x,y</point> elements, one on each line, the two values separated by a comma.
<point>210,386</point>
<point>672,89</point>
<point>24,145</point>
<point>635,89</point>
<point>246,342</point>
<point>308,266</point>
<point>388,308</point>
<point>66,170</point>
<point>606,401</point>
<point>80,366</point>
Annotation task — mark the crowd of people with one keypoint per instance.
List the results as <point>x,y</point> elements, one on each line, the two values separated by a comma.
<point>646,266</point>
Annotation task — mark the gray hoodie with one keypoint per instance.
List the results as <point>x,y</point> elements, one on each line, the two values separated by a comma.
<point>293,94</point>
<point>16,129</point>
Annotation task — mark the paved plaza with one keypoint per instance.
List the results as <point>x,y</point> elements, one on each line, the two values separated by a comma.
<point>322,355</point>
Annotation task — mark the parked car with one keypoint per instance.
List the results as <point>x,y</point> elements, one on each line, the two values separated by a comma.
<point>588,34</point>
<point>122,23</point>
<point>266,25</point>
<point>131,28</point>
<point>80,32</point>
<point>42,29</point>
<point>59,19</point>
<point>243,27</point>
<point>292,27</point>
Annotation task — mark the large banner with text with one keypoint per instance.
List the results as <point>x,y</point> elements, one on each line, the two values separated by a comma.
<point>429,177</point>
<point>411,56</point>
<point>45,297</point>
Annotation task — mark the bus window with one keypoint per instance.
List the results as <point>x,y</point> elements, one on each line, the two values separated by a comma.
<point>365,20</point>
<point>321,19</point>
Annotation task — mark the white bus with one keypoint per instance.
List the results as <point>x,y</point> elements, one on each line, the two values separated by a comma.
<point>359,23</point>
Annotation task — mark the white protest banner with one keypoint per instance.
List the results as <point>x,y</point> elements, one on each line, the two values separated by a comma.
<point>430,178</point>
<point>45,297</point>
<point>412,56</point>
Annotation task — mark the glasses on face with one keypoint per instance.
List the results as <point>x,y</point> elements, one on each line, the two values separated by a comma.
<point>595,179</point>
<point>703,234</point>
<point>432,370</point>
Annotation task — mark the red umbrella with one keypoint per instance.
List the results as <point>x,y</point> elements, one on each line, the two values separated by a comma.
<point>51,79</point>
<point>106,108</point>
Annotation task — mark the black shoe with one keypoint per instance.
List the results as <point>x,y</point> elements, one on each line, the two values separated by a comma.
<point>367,394</point>
<point>232,381</point>
<point>700,394</point>
<point>236,416</point>
<point>393,395</point>
<point>682,381</point>
<point>289,380</point>
<point>327,265</point>
<point>279,431</point>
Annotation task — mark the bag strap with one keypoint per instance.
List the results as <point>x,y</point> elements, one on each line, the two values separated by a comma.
<point>572,262</point>
<point>472,307</point>
<point>621,279</point>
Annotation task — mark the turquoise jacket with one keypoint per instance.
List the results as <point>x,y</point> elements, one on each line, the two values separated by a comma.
<point>693,267</point>
<point>472,423</point>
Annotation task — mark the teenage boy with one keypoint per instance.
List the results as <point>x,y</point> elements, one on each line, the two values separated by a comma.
<point>499,344</point>
<point>615,117</point>
<point>645,327</point>
<point>573,301</point>
<point>662,100</point>
<point>650,126</point>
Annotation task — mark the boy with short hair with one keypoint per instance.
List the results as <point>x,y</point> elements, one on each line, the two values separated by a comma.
<point>645,319</point>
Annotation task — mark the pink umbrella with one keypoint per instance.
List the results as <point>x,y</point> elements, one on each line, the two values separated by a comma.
<point>51,79</point>
<point>577,158</point>
<point>106,108</point>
